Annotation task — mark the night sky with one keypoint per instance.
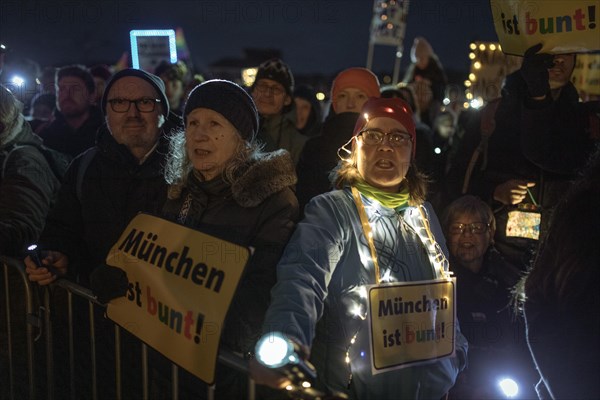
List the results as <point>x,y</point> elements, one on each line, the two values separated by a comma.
<point>314,36</point>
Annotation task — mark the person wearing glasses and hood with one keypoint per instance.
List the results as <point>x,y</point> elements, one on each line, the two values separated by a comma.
<point>374,228</point>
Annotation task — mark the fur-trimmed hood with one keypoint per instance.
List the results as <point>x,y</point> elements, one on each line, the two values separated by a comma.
<point>266,175</point>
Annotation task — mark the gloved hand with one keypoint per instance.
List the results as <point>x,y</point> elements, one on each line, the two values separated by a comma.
<point>108,283</point>
<point>534,71</point>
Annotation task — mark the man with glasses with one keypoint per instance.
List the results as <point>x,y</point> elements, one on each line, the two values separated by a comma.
<point>103,189</point>
<point>272,92</point>
<point>111,182</point>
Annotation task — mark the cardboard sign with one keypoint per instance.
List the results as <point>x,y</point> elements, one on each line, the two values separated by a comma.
<point>561,26</point>
<point>181,283</point>
<point>389,22</point>
<point>411,323</point>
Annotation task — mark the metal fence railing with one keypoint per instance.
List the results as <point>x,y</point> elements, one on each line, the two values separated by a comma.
<point>50,345</point>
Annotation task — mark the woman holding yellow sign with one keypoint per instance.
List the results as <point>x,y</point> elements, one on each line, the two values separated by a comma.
<point>224,186</point>
<point>363,282</point>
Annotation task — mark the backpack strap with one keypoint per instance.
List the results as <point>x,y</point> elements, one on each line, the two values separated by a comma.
<point>86,159</point>
<point>486,128</point>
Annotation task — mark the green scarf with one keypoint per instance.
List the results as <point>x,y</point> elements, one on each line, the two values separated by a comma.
<point>397,201</point>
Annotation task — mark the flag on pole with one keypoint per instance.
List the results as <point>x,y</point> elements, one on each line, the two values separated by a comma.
<point>183,52</point>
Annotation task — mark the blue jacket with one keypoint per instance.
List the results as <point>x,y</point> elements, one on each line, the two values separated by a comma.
<point>326,266</point>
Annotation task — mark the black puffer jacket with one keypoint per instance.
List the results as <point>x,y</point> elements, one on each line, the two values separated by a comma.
<point>114,189</point>
<point>320,156</point>
<point>259,210</point>
<point>27,188</point>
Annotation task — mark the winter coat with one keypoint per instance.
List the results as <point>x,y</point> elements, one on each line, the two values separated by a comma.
<point>258,210</point>
<point>507,160</point>
<point>114,188</point>
<point>320,156</point>
<point>278,132</point>
<point>27,189</point>
<point>61,137</point>
<point>319,279</point>
<point>483,300</point>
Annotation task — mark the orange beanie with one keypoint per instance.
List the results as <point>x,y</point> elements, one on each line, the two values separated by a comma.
<point>356,78</point>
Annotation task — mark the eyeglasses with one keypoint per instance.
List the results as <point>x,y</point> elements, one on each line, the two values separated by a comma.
<point>145,104</point>
<point>264,88</point>
<point>476,228</point>
<point>395,139</point>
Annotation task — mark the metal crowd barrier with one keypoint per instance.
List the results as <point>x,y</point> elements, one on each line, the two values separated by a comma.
<point>30,308</point>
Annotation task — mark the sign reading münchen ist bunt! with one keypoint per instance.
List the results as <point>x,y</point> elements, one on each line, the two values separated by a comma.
<point>181,283</point>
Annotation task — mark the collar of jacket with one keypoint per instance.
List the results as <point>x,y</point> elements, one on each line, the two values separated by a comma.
<point>109,147</point>
<point>263,176</point>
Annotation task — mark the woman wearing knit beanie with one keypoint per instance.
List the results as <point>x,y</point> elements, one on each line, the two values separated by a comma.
<point>221,184</point>
<point>373,231</point>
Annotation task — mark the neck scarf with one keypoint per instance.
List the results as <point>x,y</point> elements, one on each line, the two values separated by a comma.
<point>397,201</point>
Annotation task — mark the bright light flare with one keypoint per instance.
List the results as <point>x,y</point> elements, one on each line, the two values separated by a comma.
<point>273,350</point>
<point>509,387</point>
<point>18,81</point>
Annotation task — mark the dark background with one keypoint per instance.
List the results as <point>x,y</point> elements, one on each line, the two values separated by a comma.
<point>314,37</point>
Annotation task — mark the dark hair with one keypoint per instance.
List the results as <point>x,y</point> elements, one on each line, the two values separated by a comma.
<point>172,72</point>
<point>101,71</point>
<point>77,71</point>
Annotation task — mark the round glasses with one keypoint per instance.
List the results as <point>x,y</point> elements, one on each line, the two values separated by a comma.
<point>476,228</point>
<point>145,104</point>
<point>395,139</point>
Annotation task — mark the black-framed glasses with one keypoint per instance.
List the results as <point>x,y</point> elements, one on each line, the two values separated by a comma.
<point>475,228</point>
<point>395,138</point>
<point>145,104</point>
<point>265,88</point>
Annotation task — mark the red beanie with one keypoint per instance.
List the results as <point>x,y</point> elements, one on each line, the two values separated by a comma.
<point>392,108</point>
<point>357,78</point>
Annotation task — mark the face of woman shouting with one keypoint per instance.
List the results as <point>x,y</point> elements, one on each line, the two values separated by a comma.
<point>211,141</point>
<point>383,153</point>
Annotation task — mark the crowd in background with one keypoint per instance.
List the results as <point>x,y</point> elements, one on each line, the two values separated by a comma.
<point>507,180</point>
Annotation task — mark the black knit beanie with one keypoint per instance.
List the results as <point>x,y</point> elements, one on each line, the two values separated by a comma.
<point>153,80</point>
<point>278,71</point>
<point>228,99</point>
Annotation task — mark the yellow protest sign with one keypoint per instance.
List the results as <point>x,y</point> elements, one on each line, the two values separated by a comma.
<point>411,323</point>
<point>586,75</point>
<point>561,26</point>
<point>181,283</point>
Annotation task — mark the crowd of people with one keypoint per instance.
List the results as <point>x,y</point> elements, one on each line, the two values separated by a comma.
<point>332,199</point>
